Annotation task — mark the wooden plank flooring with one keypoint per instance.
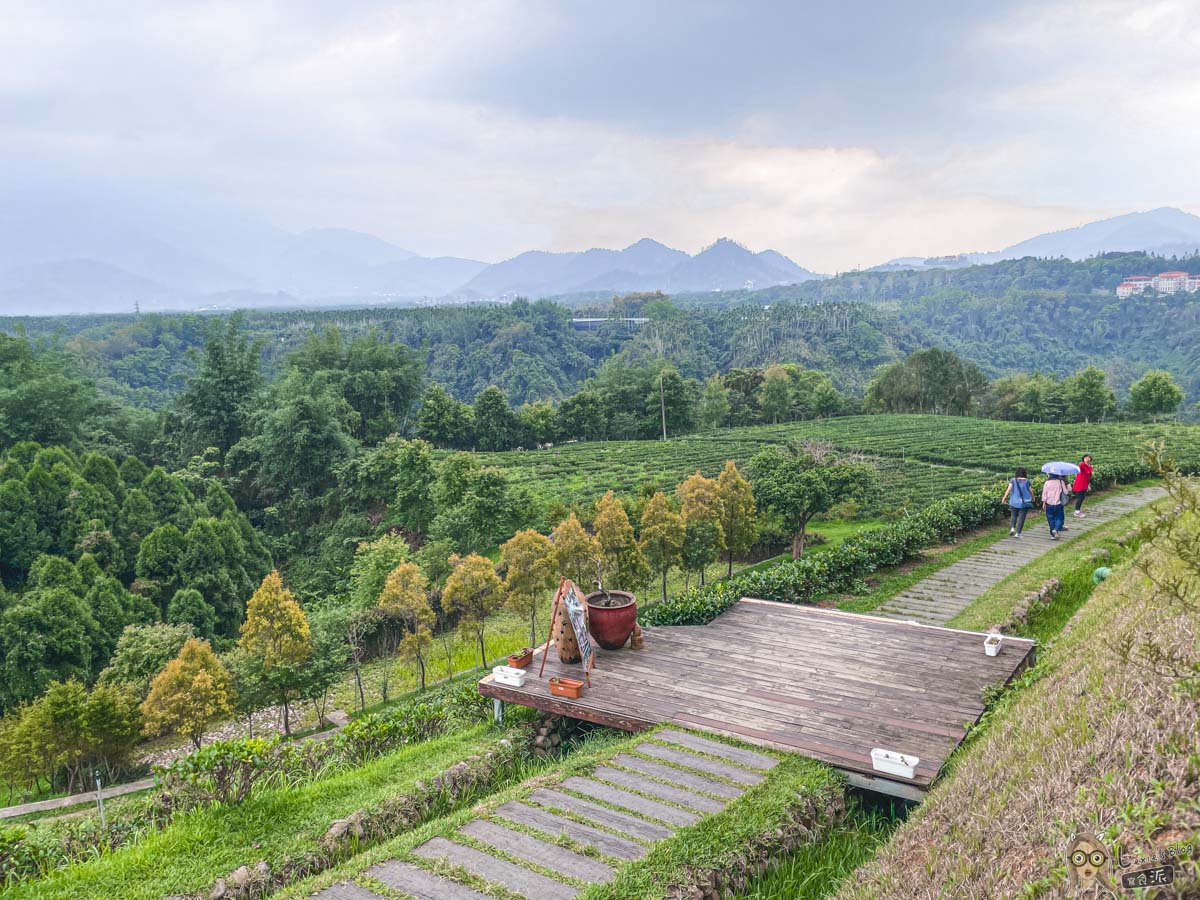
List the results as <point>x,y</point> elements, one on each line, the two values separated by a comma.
<point>943,595</point>
<point>827,684</point>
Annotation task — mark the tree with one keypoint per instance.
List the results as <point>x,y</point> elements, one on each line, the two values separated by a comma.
<point>47,635</point>
<point>736,497</point>
<point>538,422</point>
<point>373,562</point>
<point>662,536</point>
<point>928,381</point>
<point>212,565</point>
<point>20,540</point>
<point>405,597</point>
<point>112,724</point>
<point>624,566</point>
<point>1155,394</point>
<point>704,538</point>
<point>142,652</point>
<point>527,560</point>
<point>713,408</point>
<point>470,593</point>
<point>159,562</point>
<point>188,607</point>
<point>799,486</point>
<point>775,394</point>
<point>444,421</point>
<point>577,554</point>
<point>414,482</point>
<point>191,692</point>
<point>330,655</point>
<point>495,424</point>
<point>1089,398</point>
<point>217,403</point>
<point>277,632</point>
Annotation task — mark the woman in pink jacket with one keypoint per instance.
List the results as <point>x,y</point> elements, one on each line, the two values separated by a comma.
<point>1054,498</point>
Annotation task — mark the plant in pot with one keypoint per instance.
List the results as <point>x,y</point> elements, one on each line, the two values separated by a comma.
<point>612,616</point>
<point>521,659</point>
<point>571,688</point>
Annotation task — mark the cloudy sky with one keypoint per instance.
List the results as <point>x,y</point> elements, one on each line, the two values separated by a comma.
<point>841,133</point>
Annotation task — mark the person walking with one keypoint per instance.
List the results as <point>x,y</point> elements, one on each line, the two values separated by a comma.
<point>1083,484</point>
<point>1054,496</point>
<point>1022,500</point>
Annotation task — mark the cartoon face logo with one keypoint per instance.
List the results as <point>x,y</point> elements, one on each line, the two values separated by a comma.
<point>1088,865</point>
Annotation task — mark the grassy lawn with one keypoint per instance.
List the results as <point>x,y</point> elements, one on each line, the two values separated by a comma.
<point>206,843</point>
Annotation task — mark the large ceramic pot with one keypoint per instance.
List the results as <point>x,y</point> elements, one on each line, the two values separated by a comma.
<point>611,617</point>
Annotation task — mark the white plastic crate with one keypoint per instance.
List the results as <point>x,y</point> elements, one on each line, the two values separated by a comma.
<point>508,675</point>
<point>893,762</point>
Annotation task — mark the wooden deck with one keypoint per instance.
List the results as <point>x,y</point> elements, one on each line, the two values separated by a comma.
<point>826,684</point>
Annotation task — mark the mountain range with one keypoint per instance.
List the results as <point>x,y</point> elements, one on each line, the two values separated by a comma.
<point>87,249</point>
<point>1165,231</point>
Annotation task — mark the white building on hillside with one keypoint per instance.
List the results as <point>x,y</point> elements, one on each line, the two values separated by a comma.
<point>1163,282</point>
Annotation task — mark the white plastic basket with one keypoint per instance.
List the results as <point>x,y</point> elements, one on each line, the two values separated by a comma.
<point>508,675</point>
<point>992,644</point>
<point>892,762</point>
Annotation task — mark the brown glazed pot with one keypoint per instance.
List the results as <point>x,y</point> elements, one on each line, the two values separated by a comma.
<point>611,626</point>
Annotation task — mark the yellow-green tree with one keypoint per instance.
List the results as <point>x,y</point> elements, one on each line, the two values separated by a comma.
<point>527,559</point>
<point>191,692</point>
<point>704,538</point>
<point>737,511</point>
<point>471,593</point>
<point>662,536</point>
<point>625,567</point>
<point>276,634</point>
<point>576,553</point>
<point>405,598</point>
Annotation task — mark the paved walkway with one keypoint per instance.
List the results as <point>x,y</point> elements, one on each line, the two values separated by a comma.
<point>944,594</point>
<point>556,840</point>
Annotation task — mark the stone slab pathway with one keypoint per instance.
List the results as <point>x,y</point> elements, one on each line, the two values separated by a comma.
<point>555,840</point>
<point>944,594</point>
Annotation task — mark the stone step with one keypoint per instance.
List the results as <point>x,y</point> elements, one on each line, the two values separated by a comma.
<point>517,879</point>
<point>350,891</point>
<point>625,800</point>
<point>747,758</point>
<point>680,797</point>
<point>555,825</point>
<point>548,856</point>
<point>415,881</point>
<point>679,757</point>
<point>677,776</point>
<point>601,815</point>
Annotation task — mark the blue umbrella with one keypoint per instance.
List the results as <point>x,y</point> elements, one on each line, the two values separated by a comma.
<point>1060,468</point>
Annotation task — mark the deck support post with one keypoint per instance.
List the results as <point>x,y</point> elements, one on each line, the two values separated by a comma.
<point>498,710</point>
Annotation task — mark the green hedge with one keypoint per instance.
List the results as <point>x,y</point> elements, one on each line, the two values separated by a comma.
<point>844,567</point>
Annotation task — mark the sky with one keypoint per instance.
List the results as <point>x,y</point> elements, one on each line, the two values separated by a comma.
<point>842,134</point>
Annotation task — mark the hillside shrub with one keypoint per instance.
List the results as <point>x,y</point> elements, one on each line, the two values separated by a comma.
<point>840,569</point>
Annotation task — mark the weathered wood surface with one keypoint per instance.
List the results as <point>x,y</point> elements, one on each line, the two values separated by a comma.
<point>677,795</point>
<point>643,806</point>
<point>351,891</point>
<point>554,825</point>
<point>699,763</point>
<point>548,856</point>
<point>634,826</point>
<point>418,883</point>
<point>944,594</point>
<point>515,878</point>
<point>677,776</point>
<point>820,682</point>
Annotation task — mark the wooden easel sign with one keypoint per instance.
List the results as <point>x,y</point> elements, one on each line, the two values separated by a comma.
<point>567,602</point>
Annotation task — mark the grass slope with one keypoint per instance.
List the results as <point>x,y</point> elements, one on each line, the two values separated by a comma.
<point>207,843</point>
<point>1098,738</point>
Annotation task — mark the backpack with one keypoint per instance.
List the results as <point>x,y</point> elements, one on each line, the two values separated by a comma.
<point>1022,494</point>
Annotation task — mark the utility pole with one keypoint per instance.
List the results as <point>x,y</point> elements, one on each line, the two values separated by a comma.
<point>662,402</point>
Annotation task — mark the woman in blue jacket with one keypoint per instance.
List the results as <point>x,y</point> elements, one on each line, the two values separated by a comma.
<point>1021,501</point>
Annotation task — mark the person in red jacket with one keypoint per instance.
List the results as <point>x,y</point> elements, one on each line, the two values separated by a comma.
<point>1083,483</point>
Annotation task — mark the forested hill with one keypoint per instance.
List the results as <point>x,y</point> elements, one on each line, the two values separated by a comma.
<point>1054,316</point>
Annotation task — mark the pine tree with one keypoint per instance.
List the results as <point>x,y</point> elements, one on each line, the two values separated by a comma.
<point>276,631</point>
<point>624,566</point>
<point>405,597</point>
<point>471,592</point>
<point>576,553</point>
<point>662,536</point>
<point>527,559</point>
<point>737,511</point>
<point>191,692</point>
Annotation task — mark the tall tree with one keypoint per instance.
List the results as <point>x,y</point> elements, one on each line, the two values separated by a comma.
<point>625,567</point>
<point>1089,398</point>
<point>1155,394</point>
<point>192,691</point>
<point>373,562</point>
<point>799,486</point>
<point>662,536</point>
<point>405,597</point>
<point>738,524</point>
<point>414,485</point>
<point>713,409</point>
<point>527,560</point>
<point>216,406</point>
<point>577,554</point>
<point>471,592</point>
<point>444,421</point>
<point>277,632</point>
<point>775,394</point>
<point>704,537</point>
<point>495,424</point>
